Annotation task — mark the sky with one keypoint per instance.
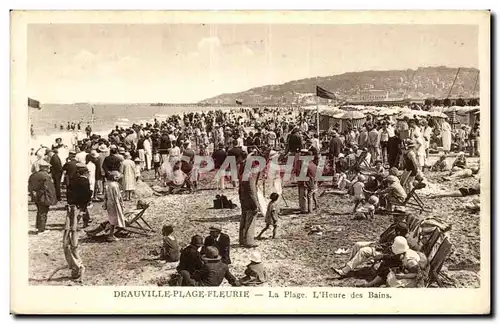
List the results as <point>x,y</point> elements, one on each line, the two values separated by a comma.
<point>187,63</point>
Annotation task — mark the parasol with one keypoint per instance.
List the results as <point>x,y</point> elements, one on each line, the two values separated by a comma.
<point>352,115</point>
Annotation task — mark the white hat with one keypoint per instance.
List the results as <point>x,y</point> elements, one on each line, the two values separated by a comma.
<point>400,245</point>
<point>255,257</point>
<point>341,155</point>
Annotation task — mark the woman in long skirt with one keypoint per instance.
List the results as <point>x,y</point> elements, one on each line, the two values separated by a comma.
<point>446,136</point>
<point>113,204</point>
<point>128,180</point>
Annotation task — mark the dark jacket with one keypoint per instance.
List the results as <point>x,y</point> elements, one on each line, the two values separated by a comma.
<point>40,183</point>
<point>213,273</point>
<point>219,157</point>
<point>247,192</point>
<point>70,168</point>
<point>223,245</point>
<point>111,163</point>
<point>294,143</point>
<point>79,193</point>
<point>55,165</point>
<point>190,260</point>
<point>170,251</point>
<point>336,146</point>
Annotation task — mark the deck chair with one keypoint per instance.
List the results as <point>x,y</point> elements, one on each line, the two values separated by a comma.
<point>357,166</point>
<point>437,261</point>
<point>413,201</point>
<point>133,225</point>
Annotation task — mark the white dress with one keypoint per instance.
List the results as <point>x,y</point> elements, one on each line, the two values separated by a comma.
<point>446,135</point>
<point>91,167</point>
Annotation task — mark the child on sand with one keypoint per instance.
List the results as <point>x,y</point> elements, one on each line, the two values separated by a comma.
<point>156,163</point>
<point>271,215</point>
<point>255,274</point>
<point>358,191</point>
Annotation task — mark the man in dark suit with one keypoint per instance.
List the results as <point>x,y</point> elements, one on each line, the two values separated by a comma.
<point>221,241</point>
<point>56,171</point>
<point>212,273</point>
<point>336,148</point>
<point>190,259</point>
<point>79,193</point>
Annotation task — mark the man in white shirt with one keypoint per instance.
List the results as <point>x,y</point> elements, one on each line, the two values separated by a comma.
<point>81,156</point>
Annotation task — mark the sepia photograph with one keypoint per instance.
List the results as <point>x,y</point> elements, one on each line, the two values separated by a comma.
<point>258,157</point>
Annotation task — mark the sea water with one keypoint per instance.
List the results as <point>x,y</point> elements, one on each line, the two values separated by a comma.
<point>47,120</point>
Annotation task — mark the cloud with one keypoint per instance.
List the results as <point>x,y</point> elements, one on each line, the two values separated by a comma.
<point>210,43</point>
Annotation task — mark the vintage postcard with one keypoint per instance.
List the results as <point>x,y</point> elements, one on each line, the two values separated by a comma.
<point>328,162</point>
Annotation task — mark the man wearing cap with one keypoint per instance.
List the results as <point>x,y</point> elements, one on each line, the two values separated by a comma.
<point>410,164</point>
<point>56,170</point>
<point>69,168</point>
<point>190,259</point>
<point>212,273</point>
<point>363,251</point>
<point>336,147</point>
<point>221,241</point>
<point>394,193</point>
<point>79,194</point>
<point>44,194</point>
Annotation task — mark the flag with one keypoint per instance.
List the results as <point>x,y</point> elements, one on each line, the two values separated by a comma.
<point>33,103</point>
<point>239,102</point>
<point>323,93</point>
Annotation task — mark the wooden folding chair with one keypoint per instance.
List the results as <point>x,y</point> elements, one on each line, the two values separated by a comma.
<point>413,201</point>
<point>134,224</point>
<point>437,262</point>
<point>427,247</point>
<point>356,167</point>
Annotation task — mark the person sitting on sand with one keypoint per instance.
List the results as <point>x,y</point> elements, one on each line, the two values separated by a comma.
<point>221,241</point>
<point>460,162</point>
<point>255,273</point>
<point>190,259</point>
<point>394,193</point>
<point>271,216</point>
<point>177,179</point>
<point>364,251</point>
<point>170,249</point>
<point>212,273</point>
<point>440,164</point>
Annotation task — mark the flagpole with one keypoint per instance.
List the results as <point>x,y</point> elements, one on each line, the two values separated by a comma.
<point>317,115</point>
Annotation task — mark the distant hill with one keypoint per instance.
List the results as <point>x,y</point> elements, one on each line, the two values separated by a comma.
<point>425,82</point>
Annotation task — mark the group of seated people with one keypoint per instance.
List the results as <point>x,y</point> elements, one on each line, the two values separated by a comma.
<point>397,263</point>
<point>206,262</point>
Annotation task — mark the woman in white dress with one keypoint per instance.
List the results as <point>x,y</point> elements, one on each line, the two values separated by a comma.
<point>113,204</point>
<point>446,135</point>
<point>128,180</point>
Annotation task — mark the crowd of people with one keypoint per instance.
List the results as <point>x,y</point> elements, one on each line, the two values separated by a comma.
<point>394,154</point>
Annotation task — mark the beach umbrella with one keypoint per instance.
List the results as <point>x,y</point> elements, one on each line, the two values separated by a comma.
<point>352,115</point>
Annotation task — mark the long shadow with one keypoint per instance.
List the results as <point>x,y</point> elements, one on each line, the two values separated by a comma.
<point>234,218</point>
<point>57,279</point>
<point>289,211</point>
<point>101,238</point>
<point>55,226</point>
